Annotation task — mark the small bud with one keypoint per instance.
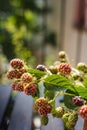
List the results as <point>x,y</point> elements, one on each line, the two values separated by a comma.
<point>62,54</point>
<point>53,69</point>
<point>82,67</point>
<point>59,111</point>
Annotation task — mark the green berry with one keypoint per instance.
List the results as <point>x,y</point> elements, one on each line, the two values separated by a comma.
<point>82,67</point>
<point>62,54</point>
<point>53,69</point>
<point>65,117</point>
<point>68,126</point>
<point>72,119</point>
<point>59,111</point>
<point>44,120</point>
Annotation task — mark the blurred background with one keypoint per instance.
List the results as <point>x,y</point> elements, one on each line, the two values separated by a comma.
<point>36,30</point>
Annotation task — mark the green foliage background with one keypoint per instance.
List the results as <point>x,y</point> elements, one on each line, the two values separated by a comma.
<point>19,25</point>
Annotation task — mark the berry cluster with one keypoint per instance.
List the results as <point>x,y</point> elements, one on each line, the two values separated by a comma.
<point>17,69</point>
<point>23,80</point>
<point>42,106</point>
<point>56,78</point>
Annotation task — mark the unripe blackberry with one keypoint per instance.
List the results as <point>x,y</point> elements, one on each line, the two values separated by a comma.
<point>65,117</point>
<point>68,126</point>
<point>16,63</point>
<point>44,120</point>
<point>82,67</point>
<point>14,85</point>
<point>78,101</point>
<point>44,110</point>
<point>41,67</point>
<point>18,86</point>
<point>77,77</point>
<point>59,111</point>
<point>30,89</point>
<point>26,77</point>
<point>64,68</point>
<point>72,119</point>
<point>83,111</point>
<point>40,102</point>
<point>11,74</point>
<point>22,71</point>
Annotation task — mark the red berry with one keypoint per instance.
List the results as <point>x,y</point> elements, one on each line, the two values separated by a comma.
<point>83,111</point>
<point>13,85</point>
<point>16,63</point>
<point>26,77</point>
<point>44,110</point>
<point>22,71</point>
<point>13,74</point>
<point>40,102</point>
<point>30,89</point>
<point>64,68</point>
<point>18,86</point>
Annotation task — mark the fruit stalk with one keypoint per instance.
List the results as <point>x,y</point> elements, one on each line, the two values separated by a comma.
<point>85,124</point>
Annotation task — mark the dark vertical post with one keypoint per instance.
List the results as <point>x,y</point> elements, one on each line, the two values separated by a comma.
<point>44,24</point>
<point>62,24</point>
<point>78,51</point>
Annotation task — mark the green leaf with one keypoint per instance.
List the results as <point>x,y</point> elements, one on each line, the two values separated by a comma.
<point>35,72</point>
<point>49,94</point>
<point>56,83</point>
<point>81,92</point>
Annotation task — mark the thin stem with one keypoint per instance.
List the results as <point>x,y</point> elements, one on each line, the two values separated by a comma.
<point>69,94</point>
